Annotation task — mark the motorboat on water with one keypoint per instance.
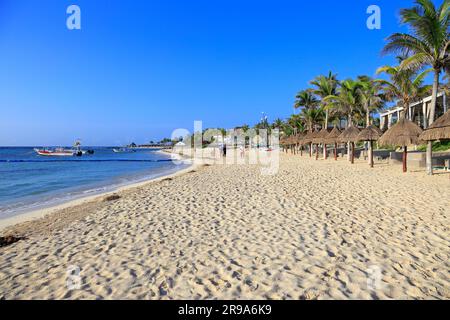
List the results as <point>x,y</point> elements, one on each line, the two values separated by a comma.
<point>123,150</point>
<point>61,152</point>
<point>58,152</point>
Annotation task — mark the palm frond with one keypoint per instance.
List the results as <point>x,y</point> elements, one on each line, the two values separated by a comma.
<point>404,44</point>
<point>415,62</point>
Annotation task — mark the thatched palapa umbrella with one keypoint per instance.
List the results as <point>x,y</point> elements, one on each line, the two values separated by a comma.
<point>438,130</point>
<point>308,140</point>
<point>403,134</point>
<point>333,138</point>
<point>300,137</point>
<point>291,143</point>
<point>350,135</point>
<point>285,142</point>
<point>371,133</point>
<point>294,143</point>
<point>319,138</point>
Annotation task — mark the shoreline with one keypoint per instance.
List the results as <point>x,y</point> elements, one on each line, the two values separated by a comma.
<point>36,214</point>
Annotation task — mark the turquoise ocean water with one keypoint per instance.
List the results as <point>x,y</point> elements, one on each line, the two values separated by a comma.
<point>29,181</point>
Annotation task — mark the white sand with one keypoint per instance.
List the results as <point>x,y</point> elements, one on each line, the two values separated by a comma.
<point>318,229</point>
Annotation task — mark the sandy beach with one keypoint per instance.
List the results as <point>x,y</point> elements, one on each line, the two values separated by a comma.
<point>316,230</point>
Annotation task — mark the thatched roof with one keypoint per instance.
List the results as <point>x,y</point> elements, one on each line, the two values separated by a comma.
<point>292,139</point>
<point>320,136</point>
<point>371,133</point>
<point>349,135</point>
<point>286,140</point>
<point>333,136</point>
<point>289,140</point>
<point>309,137</point>
<point>299,138</point>
<point>439,130</point>
<point>403,133</point>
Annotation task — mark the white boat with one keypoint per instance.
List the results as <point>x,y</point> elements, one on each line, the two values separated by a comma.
<point>61,152</point>
<point>57,152</point>
<point>123,150</point>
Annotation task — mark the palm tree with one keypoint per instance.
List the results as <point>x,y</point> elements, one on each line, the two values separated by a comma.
<point>347,101</point>
<point>305,99</point>
<point>312,117</point>
<point>245,127</point>
<point>296,122</point>
<point>278,124</point>
<point>427,45</point>
<point>325,86</point>
<point>404,85</point>
<point>372,99</point>
<point>371,95</point>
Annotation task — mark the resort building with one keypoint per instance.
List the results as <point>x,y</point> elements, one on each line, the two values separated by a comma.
<point>417,111</point>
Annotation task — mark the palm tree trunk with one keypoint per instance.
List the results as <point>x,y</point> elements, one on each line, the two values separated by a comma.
<point>429,156</point>
<point>349,151</point>
<point>369,144</point>
<point>367,117</point>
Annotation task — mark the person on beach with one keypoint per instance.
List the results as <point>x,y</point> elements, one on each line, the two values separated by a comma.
<point>242,150</point>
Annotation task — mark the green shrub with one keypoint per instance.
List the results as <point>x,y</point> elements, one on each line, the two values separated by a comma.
<point>437,146</point>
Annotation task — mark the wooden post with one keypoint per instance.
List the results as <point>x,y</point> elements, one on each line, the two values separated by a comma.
<point>301,150</point>
<point>353,153</point>
<point>371,153</point>
<point>335,151</point>
<point>405,153</point>
<point>325,151</point>
<point>317,151</point>
<point>310,149</point>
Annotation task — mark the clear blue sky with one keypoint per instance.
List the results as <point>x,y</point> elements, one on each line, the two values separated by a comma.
<point>139,69</point>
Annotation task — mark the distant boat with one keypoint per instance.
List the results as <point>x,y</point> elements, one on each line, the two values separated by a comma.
<point>58,152</point>
<point>123,150</point>
<point>61,152</point>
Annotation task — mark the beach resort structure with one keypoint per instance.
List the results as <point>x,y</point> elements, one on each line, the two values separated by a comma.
<point>417,111</point>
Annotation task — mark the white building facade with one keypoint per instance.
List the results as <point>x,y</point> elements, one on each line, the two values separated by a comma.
<point>418,112</point>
